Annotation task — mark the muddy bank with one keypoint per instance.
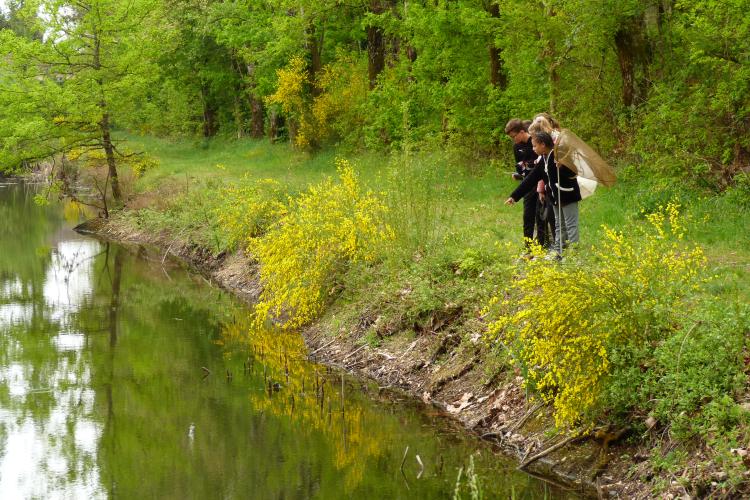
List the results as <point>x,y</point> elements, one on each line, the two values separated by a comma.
<point>441,369</point>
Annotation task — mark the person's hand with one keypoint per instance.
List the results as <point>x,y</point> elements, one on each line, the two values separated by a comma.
<point>542,197</point>
<point>510,201</point>
<point>516,176</point>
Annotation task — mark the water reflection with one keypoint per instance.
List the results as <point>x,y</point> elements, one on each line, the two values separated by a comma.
<point>68,280</point>
<point>315,400</point>
<point>118,382</point>
<point>49,433</point>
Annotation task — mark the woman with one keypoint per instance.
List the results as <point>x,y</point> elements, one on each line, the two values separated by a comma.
<point>561,187</point>
<point>543,122</point>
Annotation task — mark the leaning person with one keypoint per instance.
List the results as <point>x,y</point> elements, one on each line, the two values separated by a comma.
<point>525,157</point>
<point>561,187</point>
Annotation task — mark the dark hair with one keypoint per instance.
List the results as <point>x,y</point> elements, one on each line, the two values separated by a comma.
<point>526,125</point>
<point>514,125</point>
<point>544,138</point>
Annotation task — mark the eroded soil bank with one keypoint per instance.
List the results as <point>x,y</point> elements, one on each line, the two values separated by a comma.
<point>441,369</point>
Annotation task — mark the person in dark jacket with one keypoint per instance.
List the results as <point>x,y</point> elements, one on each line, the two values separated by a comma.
<point>532,204</point>
<point>560,185</point>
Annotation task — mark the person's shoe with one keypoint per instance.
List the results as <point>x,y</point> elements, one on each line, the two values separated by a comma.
<point>553,255</point>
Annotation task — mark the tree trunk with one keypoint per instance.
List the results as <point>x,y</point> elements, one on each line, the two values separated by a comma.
<point>257,113</point>
<point>634,55</point>
<point>209,115</point>
<point>625,56</point>
<point>109,152</point>
<point>553,79</point>
<point>315,46</point>
<point>292,127</point>
<point>238,111</point>
<point>239,121</point>
<point>375,46</point>
<point>411,54</point>
<point>104,128</point>
<point>256,117</point>
<point>498,78</point>
<point>553,61</point>
<point>274,123</point>
<point>395,48</point>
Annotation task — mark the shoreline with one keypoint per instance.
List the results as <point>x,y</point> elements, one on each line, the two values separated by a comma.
<point>495,412</point>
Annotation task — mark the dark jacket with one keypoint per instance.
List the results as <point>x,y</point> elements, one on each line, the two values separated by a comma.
<point>569,192</point>
<point>525,157</point>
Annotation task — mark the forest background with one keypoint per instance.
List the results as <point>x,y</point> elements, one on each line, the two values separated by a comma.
<point>219,122</point>
<point>660,81</point>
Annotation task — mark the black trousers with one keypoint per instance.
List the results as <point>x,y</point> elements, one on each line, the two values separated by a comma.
<point>534,218</point>
<point>546,233</point>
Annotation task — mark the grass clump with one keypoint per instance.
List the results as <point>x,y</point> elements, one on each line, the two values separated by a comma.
<point>186,216</point>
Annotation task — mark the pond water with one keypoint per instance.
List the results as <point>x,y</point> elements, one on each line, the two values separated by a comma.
<point>124,376</point>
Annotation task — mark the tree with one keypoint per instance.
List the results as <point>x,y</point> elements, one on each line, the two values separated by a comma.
<point>14,19</point>
<point>62,93</point>
<point>498,78</point>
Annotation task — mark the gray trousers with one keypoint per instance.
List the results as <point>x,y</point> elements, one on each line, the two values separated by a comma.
<point>568,226</point>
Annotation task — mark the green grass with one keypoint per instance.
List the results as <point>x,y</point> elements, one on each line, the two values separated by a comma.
<point>234,160</point>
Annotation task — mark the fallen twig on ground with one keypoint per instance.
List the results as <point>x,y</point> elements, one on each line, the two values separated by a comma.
<point>549,450</point>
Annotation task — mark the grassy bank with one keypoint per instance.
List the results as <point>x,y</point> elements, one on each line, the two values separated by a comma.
<point>418,245</point>
<point>467,204</point>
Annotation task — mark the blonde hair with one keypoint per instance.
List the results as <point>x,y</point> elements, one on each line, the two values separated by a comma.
<point>543,122</point>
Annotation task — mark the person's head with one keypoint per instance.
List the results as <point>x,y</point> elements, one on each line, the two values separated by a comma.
<point>553,123</point>
<point>542,143</point>
<point>526,125</point>
<point>516,131</point>
<point>543,122</point>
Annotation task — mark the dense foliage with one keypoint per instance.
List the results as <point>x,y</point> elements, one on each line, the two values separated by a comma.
<point>661,81</point>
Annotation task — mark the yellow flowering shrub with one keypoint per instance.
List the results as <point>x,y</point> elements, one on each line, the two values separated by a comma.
<point>245,212</point>
<point>563,322</point>
<point>327,227</point>
<point>290,89</point>
<point>334,112</point>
